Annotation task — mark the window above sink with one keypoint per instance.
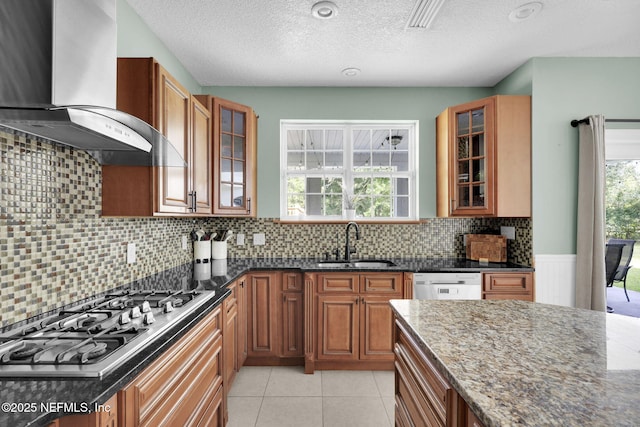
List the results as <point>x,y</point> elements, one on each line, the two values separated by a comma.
<point>345,170</point>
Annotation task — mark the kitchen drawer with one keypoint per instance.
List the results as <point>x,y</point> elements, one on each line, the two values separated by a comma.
<point>338,282</point>
<point>291,282</point>
<point>232,299</point>
<point>429,397</point>
<point>172,387</point>
<point>508,286</point>
<point>387,283</point>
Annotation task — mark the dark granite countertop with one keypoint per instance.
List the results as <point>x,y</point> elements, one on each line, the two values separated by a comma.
<point>531,364</point>
<point>233,268</point>
<point>216,276</point>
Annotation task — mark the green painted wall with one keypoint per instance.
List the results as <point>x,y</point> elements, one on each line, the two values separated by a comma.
<point>135,39</point>
<point>275,103</point>
<point>519,82</point>
<point>566,89</point>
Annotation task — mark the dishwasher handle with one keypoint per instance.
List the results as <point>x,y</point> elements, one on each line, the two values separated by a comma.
<point>446,282</point>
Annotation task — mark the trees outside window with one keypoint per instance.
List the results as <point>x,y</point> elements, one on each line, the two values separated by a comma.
<point>329,167</point>
<point>623,199</point>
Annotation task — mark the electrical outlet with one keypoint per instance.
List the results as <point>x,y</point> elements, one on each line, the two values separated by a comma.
<point>240,239</point>
<point>184,242</point>
<point>508,232</point>
<point>131,253</point>
<point>258,239</point>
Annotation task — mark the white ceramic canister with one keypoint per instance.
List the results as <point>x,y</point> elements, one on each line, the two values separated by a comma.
<point>218,249</point>
<point>202,251</point>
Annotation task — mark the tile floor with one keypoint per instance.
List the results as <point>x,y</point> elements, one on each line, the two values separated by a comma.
<point>264,396</point>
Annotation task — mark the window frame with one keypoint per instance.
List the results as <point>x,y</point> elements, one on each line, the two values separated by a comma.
<point>347,172</point>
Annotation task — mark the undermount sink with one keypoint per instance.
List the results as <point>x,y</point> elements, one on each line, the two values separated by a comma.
<point>332,264</point>
<point>363,263</point>
<point>372,264</point>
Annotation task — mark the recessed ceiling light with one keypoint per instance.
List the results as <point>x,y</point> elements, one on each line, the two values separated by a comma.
<point>324,10</point>
<point>351,72</point>
<point>525,11</point>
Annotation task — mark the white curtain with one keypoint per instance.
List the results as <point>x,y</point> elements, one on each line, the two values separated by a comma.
<point>590,270</point>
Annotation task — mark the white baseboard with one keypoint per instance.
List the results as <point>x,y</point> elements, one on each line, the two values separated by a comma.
<point>555,279</point>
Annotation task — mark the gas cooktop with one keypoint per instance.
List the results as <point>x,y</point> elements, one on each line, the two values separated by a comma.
<point>94,338</point>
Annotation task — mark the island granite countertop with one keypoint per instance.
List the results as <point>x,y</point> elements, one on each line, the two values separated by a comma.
<point>531,364</point>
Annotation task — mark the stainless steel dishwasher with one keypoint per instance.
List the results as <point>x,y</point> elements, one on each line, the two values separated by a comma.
<point>447,286</point>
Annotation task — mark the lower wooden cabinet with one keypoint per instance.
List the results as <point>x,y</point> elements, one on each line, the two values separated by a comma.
<point>291,316</point>
<point>183,386</point>
<point>512,285</point>
<point>241,337</point>
<point>275,332</point>
<point>423,396</point>
<point>262,328</point>
<point>230,335</point>
<point>350,322</point>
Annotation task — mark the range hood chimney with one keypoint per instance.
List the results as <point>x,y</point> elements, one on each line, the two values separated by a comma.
<point>58,81</point>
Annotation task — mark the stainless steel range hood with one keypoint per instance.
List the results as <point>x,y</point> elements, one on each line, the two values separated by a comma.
<point>58,82</point>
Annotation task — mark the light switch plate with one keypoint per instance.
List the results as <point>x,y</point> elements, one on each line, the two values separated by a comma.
<point>240,239</point>
<point>131,253</point>
<point>508,232</point>
<point>184,242</point>
<point>258,239</point>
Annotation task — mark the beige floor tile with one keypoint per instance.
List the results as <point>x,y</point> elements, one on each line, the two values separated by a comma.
<point>292,381</point>
<point>243,411</point>
<point>390,406</point>
<point>354,412</point>
<point>290,412</point>
<point>349,383</point>
<point>251,381</point>
<point>385,380</point>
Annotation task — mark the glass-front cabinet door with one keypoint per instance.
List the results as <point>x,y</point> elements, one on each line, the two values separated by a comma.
<point>471,159</point>
<point>234,137</point>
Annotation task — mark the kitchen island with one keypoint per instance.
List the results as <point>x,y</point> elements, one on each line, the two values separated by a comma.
<point>521,363</point>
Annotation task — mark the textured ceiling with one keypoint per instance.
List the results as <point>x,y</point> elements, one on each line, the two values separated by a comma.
<point>470,42</point>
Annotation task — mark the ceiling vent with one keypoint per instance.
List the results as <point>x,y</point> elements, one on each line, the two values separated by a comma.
<point>423,13</point>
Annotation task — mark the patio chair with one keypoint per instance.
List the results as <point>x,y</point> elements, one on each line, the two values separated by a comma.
<point>612,256</point>
<point>623,267</point>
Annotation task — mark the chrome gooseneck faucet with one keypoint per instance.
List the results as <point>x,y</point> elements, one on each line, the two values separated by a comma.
<point>348,250</point>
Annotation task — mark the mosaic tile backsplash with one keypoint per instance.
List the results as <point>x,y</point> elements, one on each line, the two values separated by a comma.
<point>55,248</point>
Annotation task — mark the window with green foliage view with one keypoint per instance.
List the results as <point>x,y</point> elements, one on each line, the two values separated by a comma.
<point>332,168</point>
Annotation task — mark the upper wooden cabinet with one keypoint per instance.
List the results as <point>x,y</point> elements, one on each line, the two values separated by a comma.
<point>149,92</point>
<point>234,168</point>
<point>483,158</point>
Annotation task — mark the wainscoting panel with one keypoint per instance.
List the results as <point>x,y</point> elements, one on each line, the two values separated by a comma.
<point>555,279</point>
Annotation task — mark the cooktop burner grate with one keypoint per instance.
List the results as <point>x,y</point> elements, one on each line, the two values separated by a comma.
<point>94,337</point>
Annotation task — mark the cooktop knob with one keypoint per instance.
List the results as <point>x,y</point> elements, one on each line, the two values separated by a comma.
<point>146,307</point>
<point>124,318</point>
<point>148,318</point>
<point>168,307</point>
<point>135,312</point>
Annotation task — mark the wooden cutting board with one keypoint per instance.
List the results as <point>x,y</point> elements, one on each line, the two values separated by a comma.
<point>488,246</point>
